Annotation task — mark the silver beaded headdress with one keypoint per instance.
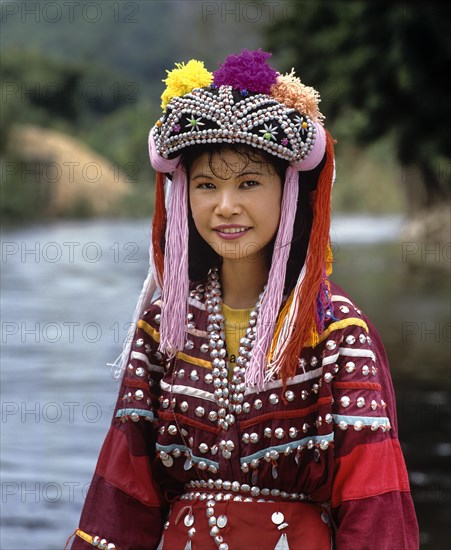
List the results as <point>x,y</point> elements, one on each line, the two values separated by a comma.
<point>225,115</point>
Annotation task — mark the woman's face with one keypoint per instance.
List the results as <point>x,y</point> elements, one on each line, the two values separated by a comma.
<point>235,203</point>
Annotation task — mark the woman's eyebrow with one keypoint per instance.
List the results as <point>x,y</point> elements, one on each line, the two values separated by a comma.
<point>201,176</point>
<point>239,174</point>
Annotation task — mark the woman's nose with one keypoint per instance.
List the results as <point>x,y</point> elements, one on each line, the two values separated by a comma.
<point>227,204</point>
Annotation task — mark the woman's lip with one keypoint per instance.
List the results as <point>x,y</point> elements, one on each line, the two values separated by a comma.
<point>230,236</point>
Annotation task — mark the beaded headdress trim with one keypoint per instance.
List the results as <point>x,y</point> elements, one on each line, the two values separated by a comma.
<point>224,115</point>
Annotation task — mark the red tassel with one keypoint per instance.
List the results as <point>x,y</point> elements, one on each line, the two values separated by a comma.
<point>69,539</point>
<point>305,323</point>
<point>159,227</point>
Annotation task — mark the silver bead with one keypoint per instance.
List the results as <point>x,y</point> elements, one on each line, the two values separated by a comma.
<point>331,345</point>
<point>194,376</point>
<point>139,394</point>
<point>289,395</point>
<point>350,366</point>
<point>279,433</point>
<point>365,370</point>
<point>273,399</point>
<point>200,411</point>
<point>184,406</point>
<point>140,372</point>
<point>360,402</point>
<point>350,339</point>
<point>344,309</point>
<point>258,403</point>
<point>358,426</point>
<point>203,448</point>
<point>345,401</point>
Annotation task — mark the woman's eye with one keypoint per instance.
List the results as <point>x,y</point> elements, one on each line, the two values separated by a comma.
<point>250,183</point>
<point>206,186</point>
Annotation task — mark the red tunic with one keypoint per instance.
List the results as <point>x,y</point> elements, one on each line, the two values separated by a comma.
<point>324,450</point>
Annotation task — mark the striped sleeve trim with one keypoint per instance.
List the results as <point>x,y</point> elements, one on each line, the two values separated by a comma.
<point>140,412</point>
<point>187,390</point>
<point>344,323</point>
<point>194,360</point>
<point>87,538</point>
<point>148,329</point>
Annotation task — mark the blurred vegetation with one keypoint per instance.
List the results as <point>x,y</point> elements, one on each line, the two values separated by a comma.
<point>379,67</point>
<point>100,81</point>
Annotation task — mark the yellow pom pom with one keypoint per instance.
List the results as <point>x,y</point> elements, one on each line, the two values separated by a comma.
<point>184,79</point>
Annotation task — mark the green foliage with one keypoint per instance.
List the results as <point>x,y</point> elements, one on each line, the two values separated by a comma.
<point>379,67</point>
<point>23,199</point>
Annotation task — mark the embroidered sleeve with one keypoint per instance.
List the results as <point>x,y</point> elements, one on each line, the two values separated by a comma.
<point>123,492</point>
<point>370,486</point>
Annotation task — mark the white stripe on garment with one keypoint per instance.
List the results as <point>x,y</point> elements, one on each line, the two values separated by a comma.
<point>196,332</point>
<point>290,382</point>
<point>337,298</point>
<point>150,366</point>
<point>187,390</point>
<point>196,303</point>
<point>350,352</point>
<point>330,359</point>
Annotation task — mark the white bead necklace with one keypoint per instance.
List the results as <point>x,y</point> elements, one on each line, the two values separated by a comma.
<point>229,395</point>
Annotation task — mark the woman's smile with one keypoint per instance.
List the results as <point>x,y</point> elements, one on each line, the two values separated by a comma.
<point>231,231</point>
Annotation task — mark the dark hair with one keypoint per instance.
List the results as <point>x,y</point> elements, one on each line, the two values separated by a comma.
<point>202,256</point>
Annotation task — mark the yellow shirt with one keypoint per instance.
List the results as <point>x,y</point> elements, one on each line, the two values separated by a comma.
<point>235,325</point>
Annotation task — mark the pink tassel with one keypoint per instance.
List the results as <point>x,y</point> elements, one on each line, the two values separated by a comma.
<point>175,280</point>
<point>272,297</point>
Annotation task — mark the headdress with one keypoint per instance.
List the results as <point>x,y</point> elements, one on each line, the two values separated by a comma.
<point>245,101</point>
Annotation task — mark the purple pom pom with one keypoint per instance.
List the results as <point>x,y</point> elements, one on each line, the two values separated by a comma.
<point>246,71</point>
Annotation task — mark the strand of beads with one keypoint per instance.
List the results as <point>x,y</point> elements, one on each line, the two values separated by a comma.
<point>216,524</point>
<point>228,395</point>
<point>216,346</point>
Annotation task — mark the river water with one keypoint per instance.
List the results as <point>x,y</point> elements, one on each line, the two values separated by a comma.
<point>68,291</point>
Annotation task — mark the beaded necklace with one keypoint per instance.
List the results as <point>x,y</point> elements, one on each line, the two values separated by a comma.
<point>229,395</point>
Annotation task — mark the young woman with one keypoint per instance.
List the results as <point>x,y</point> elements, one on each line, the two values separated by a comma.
<point>256,408</point>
